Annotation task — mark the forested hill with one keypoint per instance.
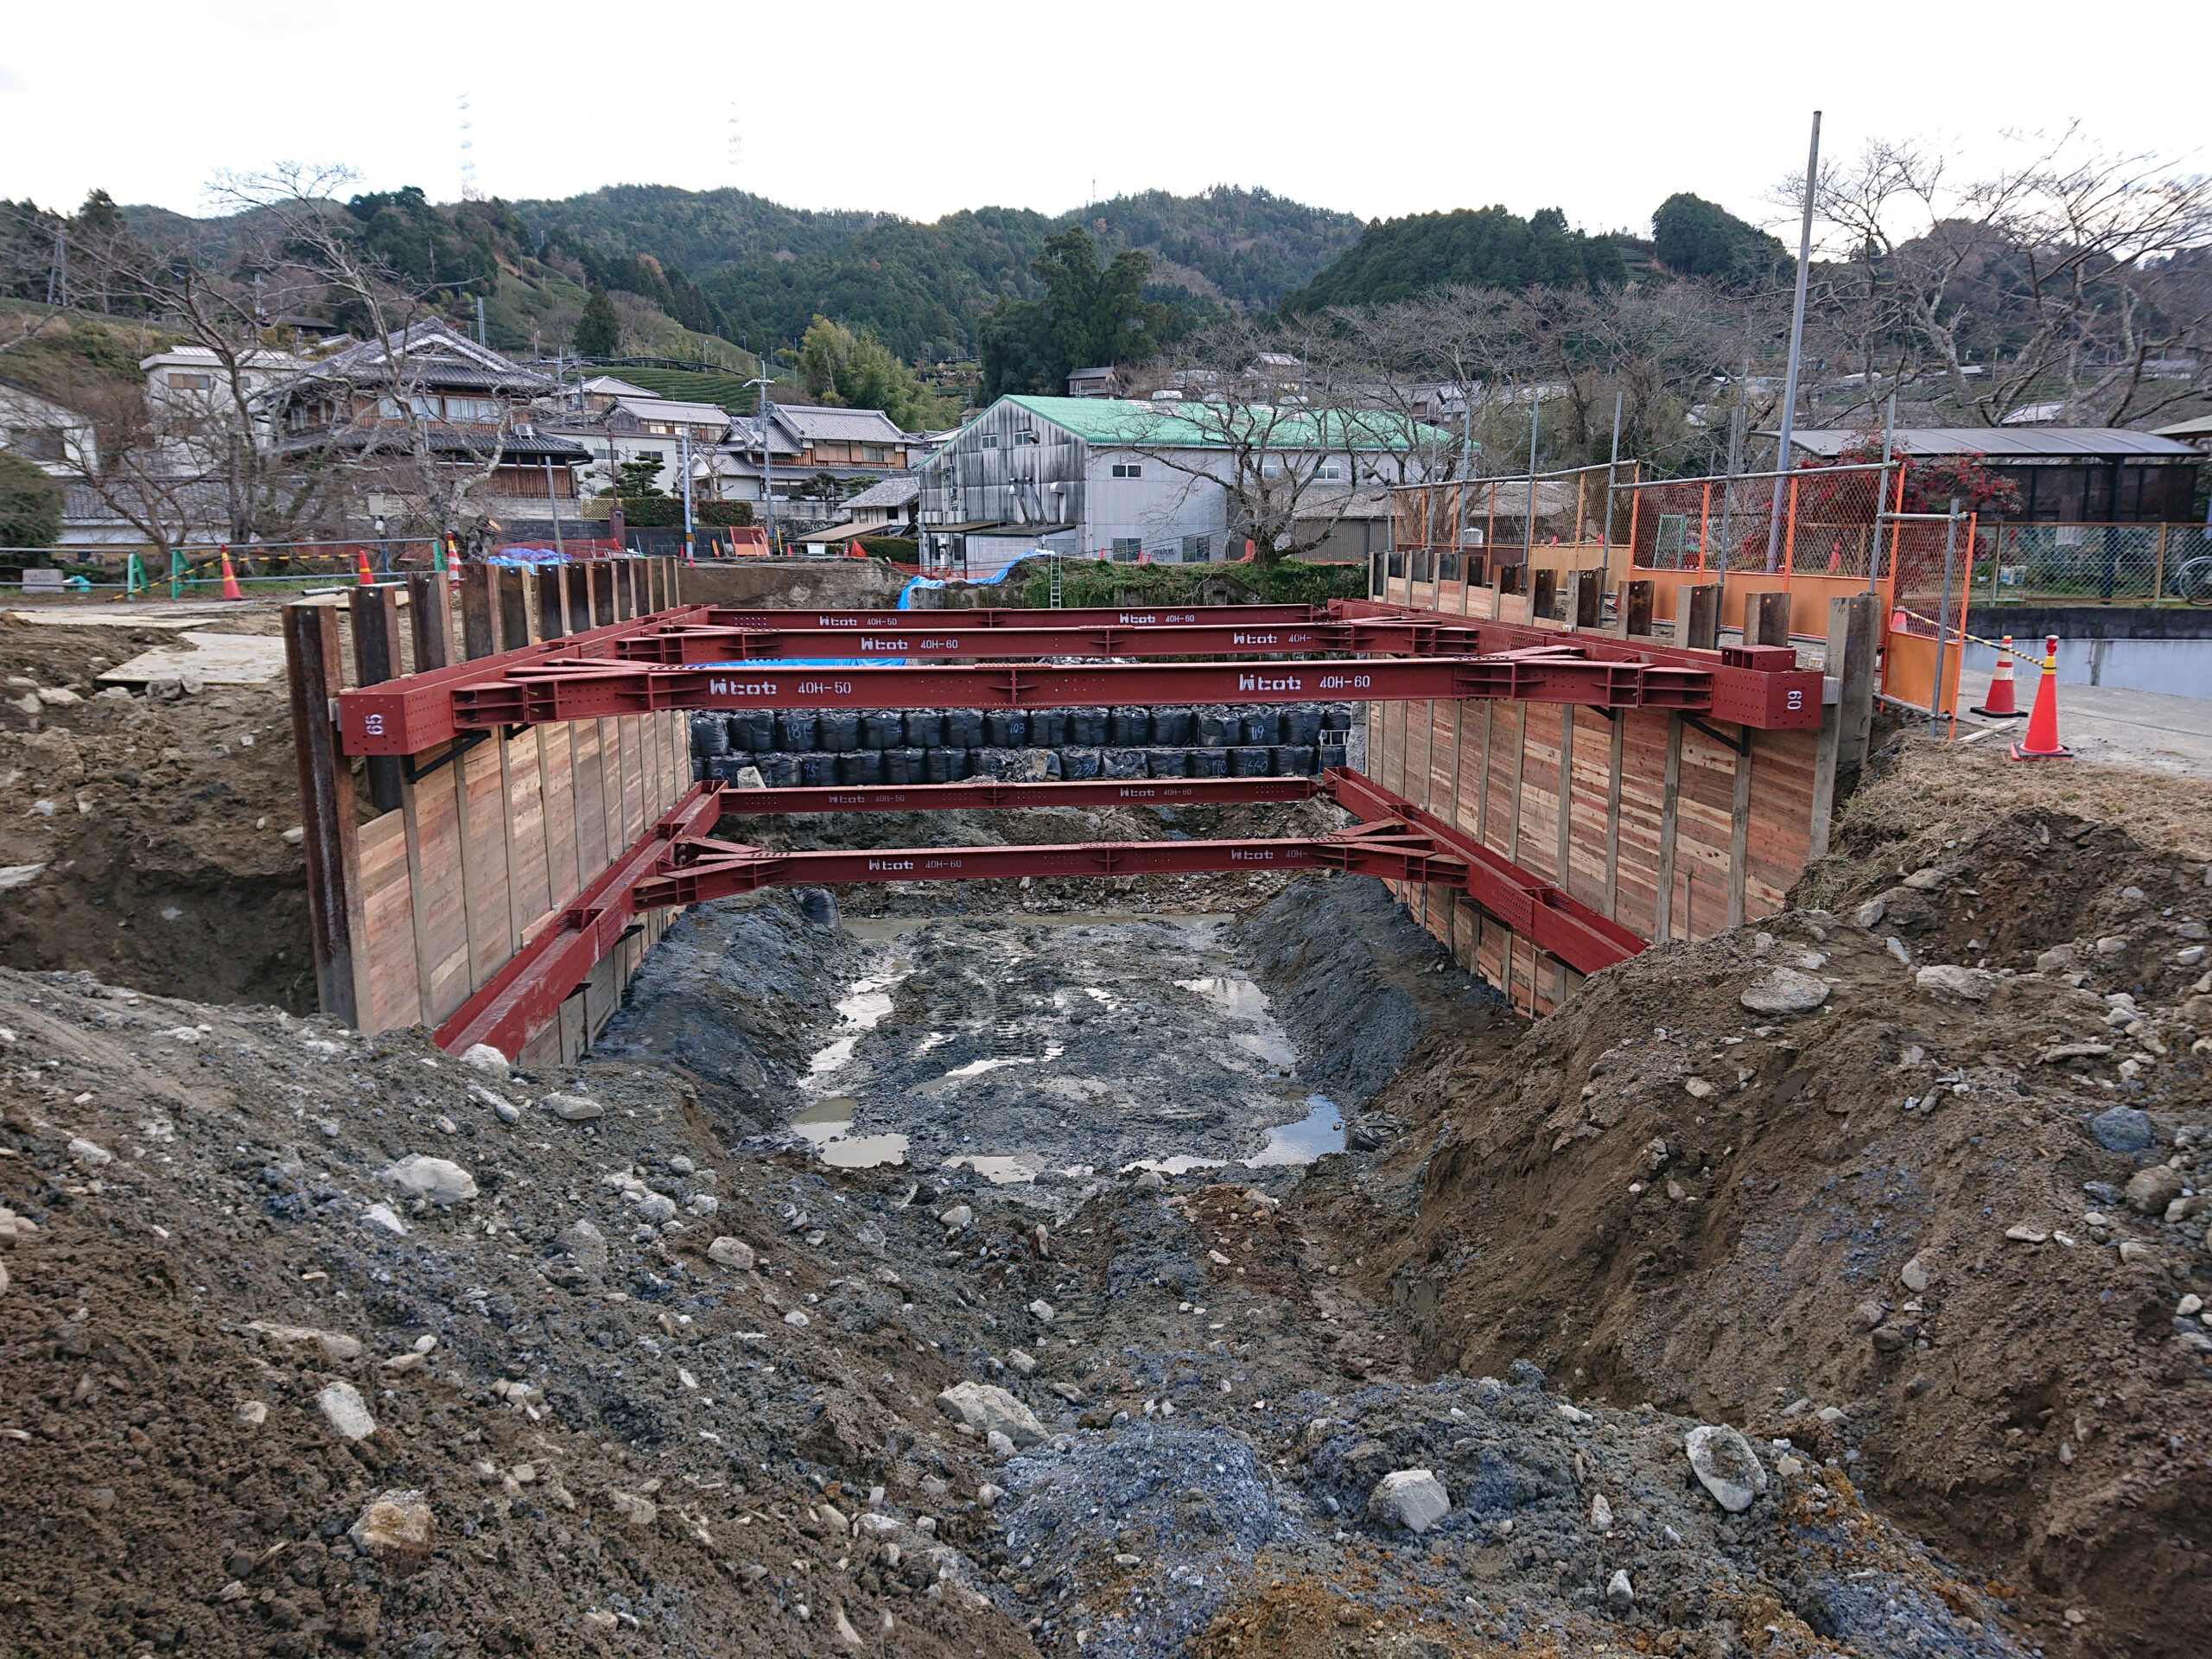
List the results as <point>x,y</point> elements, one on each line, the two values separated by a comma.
<point>1482,247</point>
<point>921,287</point>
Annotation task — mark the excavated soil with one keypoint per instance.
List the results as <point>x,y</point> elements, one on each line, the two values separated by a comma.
<point>1902,1240</point>
<point>146,835</point>
<point>1899,1228</point>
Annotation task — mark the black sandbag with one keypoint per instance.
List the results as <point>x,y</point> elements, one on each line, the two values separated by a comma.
<point>1078,764</point>
<point>902,766</point>
<point>752,732</point>
<point>860,766</point>
<point>881,730</point>
<point>795,730</point>
<point>1165,763</point>
<point>924,728</point>
<point>1048,727</point>
<point>1293,761</point>
<point>1006,728</point>
<point>709,737</point>
<point>1121,763</point>
<point>1207,763</point>
<point>1171,727</point>
<point>699,765</point>
<point>1261,726</point>
<point>817,771</point>
<point>1247,763</point>
<point>1336,717</point>
<point>944,766</point>
<point>963,728</point>
<point>838,732</point>
<point>1086,728</point>
<point>779,771</point>
<point>1301,724</point>
<point>1215,727</point>
<point>1129,725</point>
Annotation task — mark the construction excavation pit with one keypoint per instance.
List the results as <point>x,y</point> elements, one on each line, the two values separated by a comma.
<point>1583,1146</point>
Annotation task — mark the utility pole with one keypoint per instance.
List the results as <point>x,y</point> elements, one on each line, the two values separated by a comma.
<point>1612,466</point>
<point>553,506</point>
<point>684,448</point>
<point>481,340</point>
<point>767,465</point>
<point>1796,348</point>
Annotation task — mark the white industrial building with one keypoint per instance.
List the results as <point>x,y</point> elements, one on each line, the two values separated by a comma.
<point>1113,479</point>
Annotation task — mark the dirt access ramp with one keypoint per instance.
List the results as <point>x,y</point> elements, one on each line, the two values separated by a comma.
<point>1944,1225</point>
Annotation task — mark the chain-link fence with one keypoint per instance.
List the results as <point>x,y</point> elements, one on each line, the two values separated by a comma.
<point>2021,564</point>
<point>1479,514</point>
<point>1815,521</point>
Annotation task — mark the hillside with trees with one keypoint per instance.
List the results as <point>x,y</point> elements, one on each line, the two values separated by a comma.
<point>1480,247</point>
<point>922,289</point>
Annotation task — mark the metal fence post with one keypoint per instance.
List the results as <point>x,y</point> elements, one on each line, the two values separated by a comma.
<point>2159,568</point>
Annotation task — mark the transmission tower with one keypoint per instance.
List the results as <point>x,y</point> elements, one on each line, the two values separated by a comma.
<point>468,191</point>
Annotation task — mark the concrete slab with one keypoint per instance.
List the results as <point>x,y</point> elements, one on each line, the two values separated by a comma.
<point>211,659</point>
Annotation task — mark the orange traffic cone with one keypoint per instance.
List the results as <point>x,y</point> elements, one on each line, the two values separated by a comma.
<point>363,574</point>
<point>2042,741</point>
<point>230,589</point>
<point>2000,705</point>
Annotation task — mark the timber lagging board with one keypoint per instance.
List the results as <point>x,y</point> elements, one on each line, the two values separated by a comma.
<point>1722,847</point>
<point>492,834</point>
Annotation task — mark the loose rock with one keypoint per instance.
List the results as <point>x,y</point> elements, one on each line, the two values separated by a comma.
<point>733,1253</point>
<point>1725,1465</point>
<point>439,1180</point>
<point>398,1525</point>
<point>1412,1499</point>
<point>573,1109</point>
<point>1784,990</point>
<point>988,1410</point>
<point>342,1407</point>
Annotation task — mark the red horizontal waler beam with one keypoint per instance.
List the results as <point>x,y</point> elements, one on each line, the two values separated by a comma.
<point>1107,616</point>
<point>1580,936</point>
<point>531,986</point>
<point>398,718</point>
<point>987,795</point>
<point>1759,686</point>
<point>718,869</point>
<point>940,634</point>
<point>674,864</point>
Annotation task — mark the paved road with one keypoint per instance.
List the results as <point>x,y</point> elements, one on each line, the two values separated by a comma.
<point>2145,729</point>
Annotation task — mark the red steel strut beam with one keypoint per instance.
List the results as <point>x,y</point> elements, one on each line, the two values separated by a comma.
<point>941,634</point>
<point>1119,616</point>
<point>530,988</point>
<point>1554,918</point>
<point>407,716</point>
<point>986,795</point>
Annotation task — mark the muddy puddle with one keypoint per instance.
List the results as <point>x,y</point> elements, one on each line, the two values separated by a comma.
<point>1029,1049</point>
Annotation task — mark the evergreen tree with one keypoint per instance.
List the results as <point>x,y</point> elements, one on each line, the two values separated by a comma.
<point>30,504</point>
<point>599,332</point>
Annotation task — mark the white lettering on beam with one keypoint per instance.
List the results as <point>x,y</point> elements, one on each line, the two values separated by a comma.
<point>741,688</point>
<point>1269,683</point>
<point>875,864</point>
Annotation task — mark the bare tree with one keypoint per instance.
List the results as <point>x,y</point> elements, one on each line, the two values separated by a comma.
<point>401,434</point>
<point>2071,274</point>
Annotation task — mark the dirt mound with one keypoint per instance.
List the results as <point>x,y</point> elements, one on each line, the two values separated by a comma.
<point>146,833</point>
<point>1940,1226</point>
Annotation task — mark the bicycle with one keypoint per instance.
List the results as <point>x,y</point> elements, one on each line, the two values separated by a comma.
<point>2193,581</point>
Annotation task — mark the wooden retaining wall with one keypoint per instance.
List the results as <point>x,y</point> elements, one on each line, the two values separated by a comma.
<point>428,872</point>
<point>1677,827</point>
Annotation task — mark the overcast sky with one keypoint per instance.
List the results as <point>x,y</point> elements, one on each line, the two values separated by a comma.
<point>1601,109</point>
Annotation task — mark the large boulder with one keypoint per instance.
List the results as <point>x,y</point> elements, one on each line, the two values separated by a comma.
<point>1412,1499</point>
<point>1784,990</point>
<point>987,1409</point>
<point>439,1180</point>
<point>1725,1465</point>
